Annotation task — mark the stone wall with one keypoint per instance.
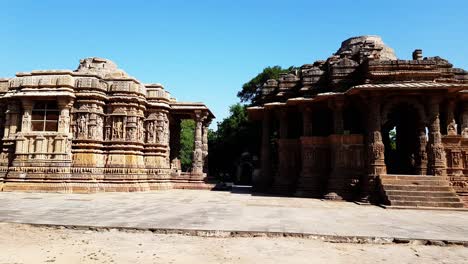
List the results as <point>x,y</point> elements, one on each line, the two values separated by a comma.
<point>112,134</point>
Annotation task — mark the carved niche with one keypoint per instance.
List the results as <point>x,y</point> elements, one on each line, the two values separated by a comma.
<point>117,127</point>
<point>157,128</point>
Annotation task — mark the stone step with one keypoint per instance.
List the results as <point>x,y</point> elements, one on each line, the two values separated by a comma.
<point>417,193</point>
<point>415,182</point>
<point>427,204</point>
<point>391,187</point>
<point>452,198</point>
<point>411,177</point>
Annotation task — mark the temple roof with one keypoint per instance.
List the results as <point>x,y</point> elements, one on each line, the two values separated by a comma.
<point>363,62</point>
<point>372,45</point>
<point>94,77</point>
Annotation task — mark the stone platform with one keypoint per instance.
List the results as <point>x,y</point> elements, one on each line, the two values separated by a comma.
<point>231,211</point>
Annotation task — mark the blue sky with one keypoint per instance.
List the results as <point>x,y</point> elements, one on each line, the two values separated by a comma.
<point>205,50</point>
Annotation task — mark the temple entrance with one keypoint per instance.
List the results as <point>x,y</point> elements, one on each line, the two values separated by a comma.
<point>400,135</point>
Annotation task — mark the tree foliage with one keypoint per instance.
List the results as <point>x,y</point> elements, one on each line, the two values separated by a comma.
<point>187,130</point>
<point>251,90</point>
<point>235,135</point>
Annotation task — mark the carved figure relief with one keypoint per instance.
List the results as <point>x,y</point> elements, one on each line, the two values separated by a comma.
<point>26,120</point>
<point>150,131</point>
<point>141,130</point>
<point>64,123</point>
<point>99,127</point>
<point>117,132</point>
<point>82,125</point>
<point>377,150</point>
<point>456,159</point>
<point>131,134</point>
<point>464,132</point>
<point>452,128</point>
<point>92,132</point>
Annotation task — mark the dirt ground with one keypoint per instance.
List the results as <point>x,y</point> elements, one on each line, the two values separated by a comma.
<point>28,244</point>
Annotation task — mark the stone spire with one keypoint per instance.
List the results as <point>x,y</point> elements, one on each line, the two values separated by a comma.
<point>370,46</point>
<point>101,67</point>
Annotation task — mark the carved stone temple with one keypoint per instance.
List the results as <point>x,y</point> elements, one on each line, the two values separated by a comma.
<point>364,125</point>
<point>95,129</point>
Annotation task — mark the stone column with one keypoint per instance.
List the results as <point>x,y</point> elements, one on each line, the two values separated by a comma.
<point>282,179</point>
<point>337,181</point>
<point>308,184</point>
<point>264,181</point>
<point>64,118</point>
<point>464,120</point>
<point>436,152</point>
<point>11,120</point>
<point>27,113</point>
<point>337,107</point>
<point>306,122</point>
<point>205,146</point>
<point>197,164</point>
<point>421,154</point>
<point>62,141</point>
<point>284,124</point>
<point>451,123</point>
<point>375,149</point>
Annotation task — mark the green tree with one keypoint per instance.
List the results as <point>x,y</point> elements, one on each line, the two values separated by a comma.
<point>187,128</point>
<point>251,90</point>
<point>235,135</point>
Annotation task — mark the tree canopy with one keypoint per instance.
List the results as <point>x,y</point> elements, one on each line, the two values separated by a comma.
<point>235,135</point>
<point>187,129</point>
<point>250,90</point>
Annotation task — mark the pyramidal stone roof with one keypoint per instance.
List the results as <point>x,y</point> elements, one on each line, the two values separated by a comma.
<point>362,60</point>
<point>372,45</point>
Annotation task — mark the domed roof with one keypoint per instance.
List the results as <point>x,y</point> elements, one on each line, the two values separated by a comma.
<point>100,66</point>
<point>370,46</point>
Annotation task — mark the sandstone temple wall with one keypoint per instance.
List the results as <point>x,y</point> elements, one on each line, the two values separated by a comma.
<point>365,115</point>
<point>94,129</point>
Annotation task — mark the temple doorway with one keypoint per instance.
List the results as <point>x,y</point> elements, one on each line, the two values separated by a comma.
<point>400,134</point>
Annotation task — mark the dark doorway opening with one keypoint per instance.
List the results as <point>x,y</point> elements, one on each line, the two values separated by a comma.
<point>401,137</point>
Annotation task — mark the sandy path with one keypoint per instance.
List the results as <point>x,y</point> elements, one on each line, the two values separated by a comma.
<point>26,244</point>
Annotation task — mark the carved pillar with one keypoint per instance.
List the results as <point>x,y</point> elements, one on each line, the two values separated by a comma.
<point>336,186</point>
<point>27,112</point>
<point>451,123</point>
<point>11,120</point>
<point>263,182</point>
<point>306,122</point>
<point>64,118</point>
<point>197,164</point>
<point>284,124</point>
<point>464,120</point>
<point>337,106</point>
<point>205,147</point>
<point>375,149</point>
<point>421,153</point>
<point>283,178</point>
<point>62,142</point>
<point>436,152</point>
<point>315,164</point>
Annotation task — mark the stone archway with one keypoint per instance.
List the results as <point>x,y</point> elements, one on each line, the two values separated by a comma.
<point>404,136</point>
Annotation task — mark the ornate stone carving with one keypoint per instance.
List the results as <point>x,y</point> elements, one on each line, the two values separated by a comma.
<point>82,125</point>
<point>96,101</point>
<point>117,128</point>
<point>99,127</point>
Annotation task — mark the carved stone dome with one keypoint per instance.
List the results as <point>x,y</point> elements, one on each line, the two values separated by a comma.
<point>369,46</point>
<point>101,67</point>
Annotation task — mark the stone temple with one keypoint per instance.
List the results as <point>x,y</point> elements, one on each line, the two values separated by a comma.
<point>364,125</point>
<point>95,129</point>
